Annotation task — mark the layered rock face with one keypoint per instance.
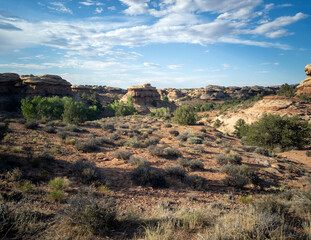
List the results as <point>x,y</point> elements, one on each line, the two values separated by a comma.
<point>142,95</point>
<point>46,85</point>
<point>14,87</point>
<point>305,86</point>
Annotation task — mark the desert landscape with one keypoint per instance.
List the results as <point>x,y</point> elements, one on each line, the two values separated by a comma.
<point>152,163</point>
<point>155,120</point>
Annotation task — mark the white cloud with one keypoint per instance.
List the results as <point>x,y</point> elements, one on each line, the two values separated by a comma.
<point>136,7</point>
<point>59,7</point>
<point>91,3</point>
<point>99,10</point>
<point>152,65</point>
<point>174,67</point>
<point>274,29</point>
<point>226,66</point>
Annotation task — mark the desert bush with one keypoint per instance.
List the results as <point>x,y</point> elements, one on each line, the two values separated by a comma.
<point>72,128</point>
<point>261,151</point>
<point>171,152</point>
<point>196,182</point>
<point>58,183</point>
<point>86,218</point>
<point>239,176</point>
<point>194,140</point>
<point>185,115</point>
<point>173,132</point>
<point>234,158</point>
<point>3,130</point>
<point>164,113</point>
<point>108,126</point>
<point>249,148</point>
<point>222,159</point>
<point>134,143</point>
<point>89,145</point>
<point>217,123</point>
<point>195,164</point>
<point>87,172</point>
<point>148,176</point>
<point>175,171</point>
<point>183,136</point>
<point>236,180</point>
<point>138,161</point>
<point>56,195</point>
<point>274,130</point>
<point>62,134</point>
<point>122,154</point>
<point>31,124</point>
<point>74,112</point>
<point>49,129</point>
<point>152,141</point>
<point>308,153</point>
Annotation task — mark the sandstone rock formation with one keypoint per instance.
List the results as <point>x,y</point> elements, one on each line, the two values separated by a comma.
<point>10,89</point>
<point>142,95</point>
<point>305,86</point>
<point>46,85</point>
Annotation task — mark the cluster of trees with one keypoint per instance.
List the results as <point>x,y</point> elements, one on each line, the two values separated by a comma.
<point>273,131</point>
<point>56,108</point>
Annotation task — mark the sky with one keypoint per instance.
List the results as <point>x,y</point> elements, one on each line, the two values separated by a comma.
<point>168,43</point>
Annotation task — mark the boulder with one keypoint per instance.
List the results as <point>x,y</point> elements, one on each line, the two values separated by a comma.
<point>305,86</point>
<point>142,95</point>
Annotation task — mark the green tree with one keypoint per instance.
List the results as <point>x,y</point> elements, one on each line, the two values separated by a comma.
<point>240,128</point>
<point>185,115</point>
<point>286,91</point>
<point>275,130</point>
<point>74,112</point>
<point>118,108</point>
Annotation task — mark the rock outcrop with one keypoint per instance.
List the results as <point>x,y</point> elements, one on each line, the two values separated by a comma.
<point>46,85</point>
<point>143,95</point>
<point>305,86</point>
<point>268,105</point>
<point>14,87</point>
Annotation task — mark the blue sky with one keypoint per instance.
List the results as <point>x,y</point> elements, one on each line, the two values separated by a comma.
<point>168,43</point>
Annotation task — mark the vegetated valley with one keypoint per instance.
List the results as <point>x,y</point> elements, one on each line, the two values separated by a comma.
<point>104,163</point>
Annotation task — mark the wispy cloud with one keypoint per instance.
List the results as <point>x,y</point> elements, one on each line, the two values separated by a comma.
<point>152,65</point>
<point>59,7</point>
<point>91,3</point>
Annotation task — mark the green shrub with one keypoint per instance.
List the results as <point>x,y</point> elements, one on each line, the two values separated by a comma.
<point>3,130</point>
<point>236,181</point>
<point>152,141</point>
<point>274,130</point>
<point>58,183</point>
<point>286,91</point>
<point>56,195</point>
<point>90,145</point>
<point>134,143</point>
<point>148,176</point>
<point>234,158</point>
<point>185,115</point>
<point>240,128</point>
<point>164,113</point>
<point>195,140</point>
<point>121,109</point>
<point>222,159</point>
<point>74,112</point>
<point>261,151</point>
<point>217,123</point>
<point>49,129</point>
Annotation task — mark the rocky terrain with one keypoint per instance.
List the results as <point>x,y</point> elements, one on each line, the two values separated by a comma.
<point>305,86</point>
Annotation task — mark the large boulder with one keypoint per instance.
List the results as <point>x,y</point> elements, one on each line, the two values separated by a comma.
<point>11,90</point>
<point>305,86</point>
